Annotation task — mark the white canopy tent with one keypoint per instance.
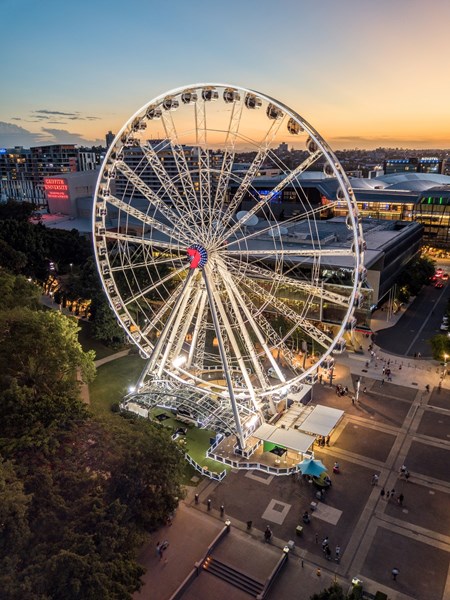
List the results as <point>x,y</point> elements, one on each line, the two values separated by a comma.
<point>288,438</point>
<point>322,420</point>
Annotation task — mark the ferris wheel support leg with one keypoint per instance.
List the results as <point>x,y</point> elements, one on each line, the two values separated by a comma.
<point>223,357</point>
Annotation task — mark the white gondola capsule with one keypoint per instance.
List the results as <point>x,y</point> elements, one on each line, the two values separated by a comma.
<point>170,103</point>
<point>311,145</point>
<point>252,101</point>
<point>138,125</point>
<point>189,97</point>
<point>273,112</point>
<point>210,94</point>
<point>230,95</point>
<point>328,170</point>
<point>293,127</point>
<point>153,112</point>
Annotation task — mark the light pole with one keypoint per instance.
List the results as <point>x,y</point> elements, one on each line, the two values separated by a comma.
<point>444,372</point>
<point>71,266</point>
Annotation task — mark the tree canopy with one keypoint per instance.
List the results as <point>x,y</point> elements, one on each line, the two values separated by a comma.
<point>77,496</point>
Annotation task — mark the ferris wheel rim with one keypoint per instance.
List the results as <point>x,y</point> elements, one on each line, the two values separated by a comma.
<point>339,174</point>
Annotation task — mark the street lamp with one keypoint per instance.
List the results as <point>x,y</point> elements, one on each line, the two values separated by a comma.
<point>71,265</point>
<point>444,373</point>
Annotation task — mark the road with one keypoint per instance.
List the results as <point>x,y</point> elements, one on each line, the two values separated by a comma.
<point>420,322</point>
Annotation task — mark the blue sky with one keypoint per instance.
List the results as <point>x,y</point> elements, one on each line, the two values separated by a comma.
<point>363,72</point>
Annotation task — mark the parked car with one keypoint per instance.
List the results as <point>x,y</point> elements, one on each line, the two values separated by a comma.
<point>445,276</point>
<point>438,285</point>
<point>444,327</point>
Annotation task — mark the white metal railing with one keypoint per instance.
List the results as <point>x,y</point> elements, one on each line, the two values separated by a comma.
<point>204,470</point>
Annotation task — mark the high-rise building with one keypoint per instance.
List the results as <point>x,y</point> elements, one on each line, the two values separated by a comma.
<point>109,137</point>
<point>16,176</point>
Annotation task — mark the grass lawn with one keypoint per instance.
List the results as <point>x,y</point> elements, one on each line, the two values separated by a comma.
<point>112,383</point>
<point>89,343</point>
<point>197,441</point>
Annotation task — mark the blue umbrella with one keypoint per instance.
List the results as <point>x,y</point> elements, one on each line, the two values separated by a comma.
<point>312,467</point>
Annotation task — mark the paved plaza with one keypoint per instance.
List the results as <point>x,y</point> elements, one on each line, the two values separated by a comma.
<point>392,424</point>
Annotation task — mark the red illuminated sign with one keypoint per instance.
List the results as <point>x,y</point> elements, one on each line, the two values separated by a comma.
<point>56,189</point>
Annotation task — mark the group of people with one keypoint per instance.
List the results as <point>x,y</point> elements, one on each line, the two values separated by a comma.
<point>323,441</point>
<point>341,390</point>
<point>327,551</point>
<point>390,495</point>
<point>404,472</point>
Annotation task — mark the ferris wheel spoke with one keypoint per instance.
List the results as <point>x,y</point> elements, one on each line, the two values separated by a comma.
<point>265,200</point>
<point>184,172</point>
<point>197,349</point>
<point>251,173</point>
<point>159,205</point>
<point>156,285</point>
<point>146,263</point>
<point>284,309</point>
<point>289,252</point>
<point>239,305</point>
<point>214,295</point>
<point>167,354</point>
<point>262,325</point>
<point>234,343</point>
<point>258,272</point>
<point>143,218</point>
<point>134,239</point>
<point>228,156</point>
<point>155,355</point>
<point>288,223</point>
<point>188,320</point>
<point>245,304</point>
<point>158,318</point>
<point>167,184</point>
<point>204,195</point>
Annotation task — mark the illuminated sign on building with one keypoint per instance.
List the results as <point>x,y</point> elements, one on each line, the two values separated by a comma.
<point>56,189</point>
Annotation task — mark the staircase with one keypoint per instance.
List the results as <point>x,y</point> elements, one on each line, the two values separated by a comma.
<point>230,575</point>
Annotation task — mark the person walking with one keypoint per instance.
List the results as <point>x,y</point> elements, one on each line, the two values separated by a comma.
<point>392,494</point>
<point>337,553</point>
<point>267,534</point>
<point>375,479</point>
<point>327,552</point>
<point>382,493</point>
<point>158,550</point>
<point>395,572</point>
<point>400,499</point>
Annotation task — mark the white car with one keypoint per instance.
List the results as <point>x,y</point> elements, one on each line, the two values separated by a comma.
<point>444,327</point>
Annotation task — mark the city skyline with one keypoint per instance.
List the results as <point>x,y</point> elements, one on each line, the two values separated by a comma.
<point>364,74</point>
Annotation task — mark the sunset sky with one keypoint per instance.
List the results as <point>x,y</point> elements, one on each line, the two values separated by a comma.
<point>364,73</point>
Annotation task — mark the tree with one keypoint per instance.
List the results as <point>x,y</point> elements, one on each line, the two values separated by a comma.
<point>46,351</point>
<point>334,592</point>
<point>440,345</point>
<point>147,479</point>
<point>18,211</point>
<point>17,291</point>
<point>12,259</point>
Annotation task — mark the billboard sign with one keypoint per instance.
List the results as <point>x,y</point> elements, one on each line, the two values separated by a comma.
<point>56,188</point>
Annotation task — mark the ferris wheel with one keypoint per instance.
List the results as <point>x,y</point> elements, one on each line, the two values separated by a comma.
<point>217,260</point>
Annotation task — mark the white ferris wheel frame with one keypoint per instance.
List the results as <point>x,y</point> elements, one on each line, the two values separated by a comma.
<point>357,246</point>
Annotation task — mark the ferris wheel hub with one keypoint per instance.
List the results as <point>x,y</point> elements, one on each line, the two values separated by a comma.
<point>197,255</point>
